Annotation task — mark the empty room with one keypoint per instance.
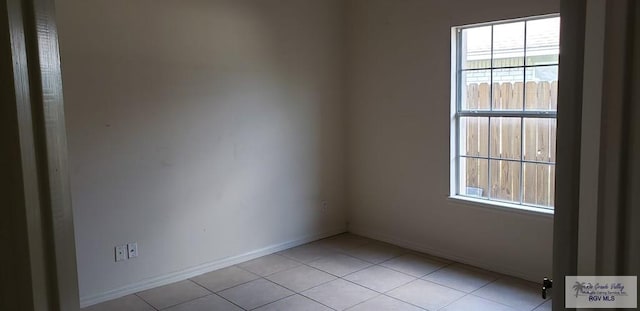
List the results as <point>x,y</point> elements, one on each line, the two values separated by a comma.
<point>319,154</point>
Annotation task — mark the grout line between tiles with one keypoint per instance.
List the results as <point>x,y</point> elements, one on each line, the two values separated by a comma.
<point>369,265</point>
<point>483,286</point>
<point>418,277</point>
<point>146,302</point>
<point>465,295</point>
<point>190,300</point>
<point>234,286</point>
<point>272,273</point>
<point>447,286</point>
<point>498,302</point>
<point>320,284</point>
<point>231,302</point>
<point>300,261</point>
<point>261,277</point>
<point>268,303</point>
<point>340,277</point>
<point>414,279</point>
<point>213,293</point>
<point>196,283</point>
<point>359,303</point>
<point>376,263</point>
<point>409,303</point>
<point>301,294</point>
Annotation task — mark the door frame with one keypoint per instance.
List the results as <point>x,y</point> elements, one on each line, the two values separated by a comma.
<point>40,201</point>
<point>566,211</point>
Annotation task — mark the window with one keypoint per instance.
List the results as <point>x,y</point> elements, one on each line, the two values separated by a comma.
<point>504,111</point>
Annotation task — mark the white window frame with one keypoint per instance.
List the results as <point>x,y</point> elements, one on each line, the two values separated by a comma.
<point>457,113</point>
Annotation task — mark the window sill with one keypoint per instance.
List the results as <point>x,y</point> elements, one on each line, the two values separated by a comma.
<point>501,206</point>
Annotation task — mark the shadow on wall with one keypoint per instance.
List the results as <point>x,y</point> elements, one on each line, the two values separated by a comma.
<point>200,129</point>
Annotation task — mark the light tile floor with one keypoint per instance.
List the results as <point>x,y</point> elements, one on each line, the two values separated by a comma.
<point>344,272</point>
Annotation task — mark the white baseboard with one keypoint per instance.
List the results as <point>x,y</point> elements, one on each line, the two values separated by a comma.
<point>200,269</point>
<point>427,250</point>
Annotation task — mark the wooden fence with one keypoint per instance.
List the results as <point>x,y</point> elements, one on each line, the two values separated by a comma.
<point>503,179</point>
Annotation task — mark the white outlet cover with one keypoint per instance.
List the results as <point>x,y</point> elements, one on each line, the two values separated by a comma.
<point>132,250</point>
<point>121,252</point>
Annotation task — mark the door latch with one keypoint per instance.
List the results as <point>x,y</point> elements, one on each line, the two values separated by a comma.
<point>546,284</point>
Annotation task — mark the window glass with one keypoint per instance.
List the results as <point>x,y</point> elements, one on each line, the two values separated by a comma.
<point>505,111</point>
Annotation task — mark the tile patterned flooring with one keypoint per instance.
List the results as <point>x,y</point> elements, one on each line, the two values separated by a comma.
<point>344,272</point>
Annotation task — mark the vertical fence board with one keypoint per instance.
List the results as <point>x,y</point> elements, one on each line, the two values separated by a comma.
<point>484,93</point>
<point>531,95</point>
<point>483,136</point>
<point>543,174</point>
<point>552,136</point>
<point>517,96</point>
<point>554,96</point>
<point>543,140</point>
<point>495,98</point>
<point>544,95</point>
<point>472,96</point>
<point>529,185</point>
<point>495,174</point>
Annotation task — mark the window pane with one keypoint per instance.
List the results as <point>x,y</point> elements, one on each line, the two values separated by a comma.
<point>475,92</point>
<point>476,47</point>
<point>474,177</point>
<point>539,184</point>
<point>505,138</point>
<point>539,140</point>
<point>505,180</point>
<point>508,44</point>
<point>508,89</point>
<point>474,136</point>
<point>508,70</point>
<point>543,41</point>
<point>541,91</point>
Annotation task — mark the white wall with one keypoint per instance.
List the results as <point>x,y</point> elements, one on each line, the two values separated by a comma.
<point>200,129</point>
<point>398,133</point>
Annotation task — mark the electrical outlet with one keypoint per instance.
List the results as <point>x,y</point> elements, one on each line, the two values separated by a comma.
<point>133,249</point>
<point>121,252</point>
